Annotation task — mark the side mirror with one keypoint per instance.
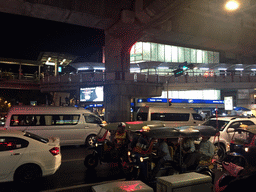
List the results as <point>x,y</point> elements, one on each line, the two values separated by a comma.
<point>230,130</point>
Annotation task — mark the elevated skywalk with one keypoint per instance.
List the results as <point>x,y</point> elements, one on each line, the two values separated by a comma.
<point>214,82</point>
<point>74,81</point>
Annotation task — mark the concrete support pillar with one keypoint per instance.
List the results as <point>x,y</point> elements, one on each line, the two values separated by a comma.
<point>117,54</point>
<point>118,42</point>
<point>117,103</point>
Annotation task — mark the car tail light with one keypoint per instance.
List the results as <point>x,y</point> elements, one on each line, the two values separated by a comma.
<point>55,151</point>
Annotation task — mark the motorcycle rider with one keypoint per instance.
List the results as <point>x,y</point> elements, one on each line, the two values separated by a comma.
<point>205,152</point>
<point>139,145</point>
<point>121,140</point>
<point>206,149</point>
<point>187,148</point>
<point>164,153</point>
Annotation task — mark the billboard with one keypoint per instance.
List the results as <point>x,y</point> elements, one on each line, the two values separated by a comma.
<point>92,94</point>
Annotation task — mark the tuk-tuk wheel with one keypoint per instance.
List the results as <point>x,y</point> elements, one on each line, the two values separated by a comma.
<point>91,161</point>
<point>221,151</point>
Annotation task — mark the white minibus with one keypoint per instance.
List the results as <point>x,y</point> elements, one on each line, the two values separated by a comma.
<point>170,116</point>
<point>74,126</point>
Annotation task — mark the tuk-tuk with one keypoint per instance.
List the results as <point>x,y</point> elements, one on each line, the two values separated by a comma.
<point>242,146</point>
<point>148,158</point>
<point>104,149</point>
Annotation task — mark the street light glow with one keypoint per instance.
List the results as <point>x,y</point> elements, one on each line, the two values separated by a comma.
<point>232,5</point>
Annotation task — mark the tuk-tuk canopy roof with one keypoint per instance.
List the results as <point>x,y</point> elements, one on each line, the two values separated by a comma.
<point>203,130</point>
<point>162,132</point>
<point>158,129</point>
<point>184,131</point>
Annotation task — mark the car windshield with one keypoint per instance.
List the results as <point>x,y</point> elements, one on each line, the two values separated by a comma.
<point>219,124</point>
<point>36,137</point>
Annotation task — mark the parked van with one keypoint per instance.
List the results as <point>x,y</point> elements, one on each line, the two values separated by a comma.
<point>171,116</point>
<point>74,126</point>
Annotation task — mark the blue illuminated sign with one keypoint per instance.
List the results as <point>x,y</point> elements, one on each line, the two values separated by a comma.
<point>93,105</point>
<point>192,101</point>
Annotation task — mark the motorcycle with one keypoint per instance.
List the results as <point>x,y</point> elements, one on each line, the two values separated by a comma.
<point>104,150</point>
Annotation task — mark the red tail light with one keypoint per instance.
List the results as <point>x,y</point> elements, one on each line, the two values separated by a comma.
<point>55,151</point>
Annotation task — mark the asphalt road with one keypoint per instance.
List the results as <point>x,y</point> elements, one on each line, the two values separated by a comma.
<point>72,175</point>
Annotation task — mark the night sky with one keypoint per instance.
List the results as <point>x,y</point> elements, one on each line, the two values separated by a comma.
<point>25,37</point>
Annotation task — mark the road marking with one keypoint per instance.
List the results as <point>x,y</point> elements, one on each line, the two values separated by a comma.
<point>80,186</point>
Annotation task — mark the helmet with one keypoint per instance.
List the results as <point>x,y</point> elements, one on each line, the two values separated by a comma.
<point>145,128</point>
<point>121,125</point>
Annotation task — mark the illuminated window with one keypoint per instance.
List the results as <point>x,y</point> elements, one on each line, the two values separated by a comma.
<point>132,54</point>
<point>181,53</point>
<point>174,54</point>
<point>138,54</point>
<point>199,56</point>
<point>187,55</point>
<point>193,56</point>
<point>153,52</point>
<point>193,94</point>
<point>146,51</point>
<point>168,53</point>
<point>205,57</point>
<point>160,52</point>
<point>210,56</point>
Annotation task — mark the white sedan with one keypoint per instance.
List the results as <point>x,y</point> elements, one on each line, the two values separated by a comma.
<point>26,157</point>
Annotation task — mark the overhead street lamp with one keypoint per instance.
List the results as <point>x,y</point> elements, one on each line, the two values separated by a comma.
<point>232,5</point>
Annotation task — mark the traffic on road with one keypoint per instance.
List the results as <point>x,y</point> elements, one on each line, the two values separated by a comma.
<point>122,151</point>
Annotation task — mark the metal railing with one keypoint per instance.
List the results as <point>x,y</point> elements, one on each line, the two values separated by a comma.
<point>101,77</point>
<point>144,78</point>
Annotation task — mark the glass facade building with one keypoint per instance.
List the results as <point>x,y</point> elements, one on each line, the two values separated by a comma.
<point>146,51</point>
<point>155,52</point>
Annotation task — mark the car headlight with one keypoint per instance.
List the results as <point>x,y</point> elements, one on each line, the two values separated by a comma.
<point>96,144</point>
<point>246,149</point>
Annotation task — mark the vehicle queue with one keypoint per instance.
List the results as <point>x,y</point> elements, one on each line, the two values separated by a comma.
<point>143,150</point>
<point>155,151</point>
<point>152,147</point>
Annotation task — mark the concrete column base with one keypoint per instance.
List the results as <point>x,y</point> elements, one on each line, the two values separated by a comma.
<point>118,95</point>
<point>117,104</point>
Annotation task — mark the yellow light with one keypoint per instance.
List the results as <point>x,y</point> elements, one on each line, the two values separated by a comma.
<point>232,5</point>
